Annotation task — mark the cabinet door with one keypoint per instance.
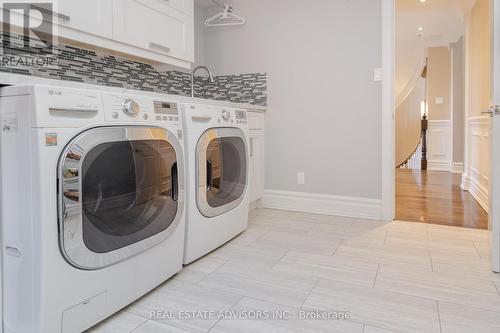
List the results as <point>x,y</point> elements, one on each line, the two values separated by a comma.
<point>257,170</point>
<point>154,26</point>
<point>89,16</point>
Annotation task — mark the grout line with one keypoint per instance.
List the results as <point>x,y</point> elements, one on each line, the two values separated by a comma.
<point>142,324</point>
<point>376,275</point>
<point>439,317</point>
<point>477,250</point>
<point>385,238</point>
<point>495,285</point>
<point>430,257</point>
<point>309,293</point>
<point>338,246</point>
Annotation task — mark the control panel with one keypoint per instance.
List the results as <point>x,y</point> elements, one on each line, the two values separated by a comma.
<point>197,115</point>
<point>137,109</point>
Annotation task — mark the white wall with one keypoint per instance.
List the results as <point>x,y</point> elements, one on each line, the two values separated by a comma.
<point>408,123</point>
<point>324,115</point>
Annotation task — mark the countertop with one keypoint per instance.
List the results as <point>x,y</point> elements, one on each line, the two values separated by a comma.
<point>17,79</point>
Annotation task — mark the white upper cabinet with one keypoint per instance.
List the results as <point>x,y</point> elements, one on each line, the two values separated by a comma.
<point>162,27</point>
<point>89,16</point>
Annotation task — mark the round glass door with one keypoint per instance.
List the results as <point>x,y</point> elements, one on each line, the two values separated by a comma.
<point>120,194</point>
<point>222,171</point>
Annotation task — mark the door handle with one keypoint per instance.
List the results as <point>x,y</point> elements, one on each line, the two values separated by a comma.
<point>159,47</point>
<point>174,176</point>
<point>492,111</point>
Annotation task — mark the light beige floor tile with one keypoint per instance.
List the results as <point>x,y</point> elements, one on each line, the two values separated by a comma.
<point>407,227</point>
<point>121,322</point>
<point>385,253</point>
<point>461,319</point>
<point>177,297</point>
<point>276,323</point>
<point>497,286</point>
<point>458,233</point>
<point>483,249</point>
<point>372,329</point>
<point>462,261</point>
<point>326,219</point>
<point>249,236</point>
<point>271,213</point>
<point>268,285</point>
<point>337,267</point>
<point>326,272</point>
<point>196,271</point>
<point>454,246</point>
<point>297,242</point>
<point>432,285</point>
<point>482,272</point>
<point>155,327</point>
<point>376,307</point>
<point>282,225</point>
<point>248,255</point>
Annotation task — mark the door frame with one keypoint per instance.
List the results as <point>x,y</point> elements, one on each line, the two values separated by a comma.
<point>388,114</point>
<point>388,110</point>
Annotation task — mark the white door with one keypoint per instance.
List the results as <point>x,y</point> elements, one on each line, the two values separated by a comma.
<point>494,196</point>
<point>90,16</point>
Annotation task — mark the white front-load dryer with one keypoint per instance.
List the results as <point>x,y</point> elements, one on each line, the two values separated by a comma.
<point>217,177</point>
<point>92,215</point>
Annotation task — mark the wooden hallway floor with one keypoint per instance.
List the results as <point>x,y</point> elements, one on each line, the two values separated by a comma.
<point>436,197</point>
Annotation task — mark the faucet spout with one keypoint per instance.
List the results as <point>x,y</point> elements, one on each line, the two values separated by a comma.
<point>193,74</point>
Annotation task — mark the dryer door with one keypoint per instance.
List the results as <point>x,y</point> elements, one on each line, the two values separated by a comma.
<point>121,191</point>
<point>222,170</point>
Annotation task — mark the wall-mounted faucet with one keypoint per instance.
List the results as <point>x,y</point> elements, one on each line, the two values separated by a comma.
<point>194,72</point>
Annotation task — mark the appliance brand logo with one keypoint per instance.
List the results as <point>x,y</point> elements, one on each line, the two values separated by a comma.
<point>55,92</point>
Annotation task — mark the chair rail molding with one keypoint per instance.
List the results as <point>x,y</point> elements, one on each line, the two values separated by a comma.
<point>475,179</point>
<point>323,204</point>
<point>439,145</point>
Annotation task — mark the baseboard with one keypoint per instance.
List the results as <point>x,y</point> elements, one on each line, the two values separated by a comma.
<point>477,191</point>
<point>324,204</point>
<point>439,166</point>
<point>457,168</point>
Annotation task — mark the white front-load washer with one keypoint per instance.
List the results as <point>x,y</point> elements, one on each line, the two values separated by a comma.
<point>92,211</point>
<point>217,177</point>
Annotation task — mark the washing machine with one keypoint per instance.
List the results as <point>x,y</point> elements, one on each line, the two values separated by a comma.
<point>217,177</point>
<point>93,197</point>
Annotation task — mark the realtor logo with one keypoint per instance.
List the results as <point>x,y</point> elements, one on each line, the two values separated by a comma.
<point>36,25</point>
<point>28,36</point>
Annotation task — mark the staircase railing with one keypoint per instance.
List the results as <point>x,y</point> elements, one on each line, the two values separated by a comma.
<point>418,159</point>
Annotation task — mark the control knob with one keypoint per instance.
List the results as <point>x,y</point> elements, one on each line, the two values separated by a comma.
<point>130,107</point>
<point>226,115</point>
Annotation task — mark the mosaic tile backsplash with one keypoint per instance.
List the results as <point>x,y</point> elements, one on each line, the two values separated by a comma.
<point>81,65</point>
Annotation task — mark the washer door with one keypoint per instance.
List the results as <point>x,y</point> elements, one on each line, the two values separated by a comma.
<point>222,170</point>
<point>118,194</point>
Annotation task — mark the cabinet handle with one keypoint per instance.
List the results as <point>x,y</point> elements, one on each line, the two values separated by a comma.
<point>59,15</point>
<point>251,147</point>
<point>63,17</point>
<point>165,49</point>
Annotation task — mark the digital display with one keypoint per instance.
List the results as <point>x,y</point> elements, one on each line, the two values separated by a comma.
<point>166,108</point>
<point>241,115</point>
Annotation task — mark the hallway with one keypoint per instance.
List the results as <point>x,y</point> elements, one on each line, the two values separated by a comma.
<point>436,197</point>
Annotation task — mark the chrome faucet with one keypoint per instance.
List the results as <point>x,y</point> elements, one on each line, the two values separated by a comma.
<point>194,72</point>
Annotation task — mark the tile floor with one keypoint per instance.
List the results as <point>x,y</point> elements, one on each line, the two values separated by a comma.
<point>390,277</point>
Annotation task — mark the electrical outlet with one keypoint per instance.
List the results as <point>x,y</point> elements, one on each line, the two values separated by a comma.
<point>301,178</point>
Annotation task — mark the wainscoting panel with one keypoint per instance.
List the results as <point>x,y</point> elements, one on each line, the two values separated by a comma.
<point>323,204</point>
<point>476,177</point>
<point>439,145</point>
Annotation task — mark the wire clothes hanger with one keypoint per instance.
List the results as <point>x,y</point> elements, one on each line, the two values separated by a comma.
<point>224,18</point>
